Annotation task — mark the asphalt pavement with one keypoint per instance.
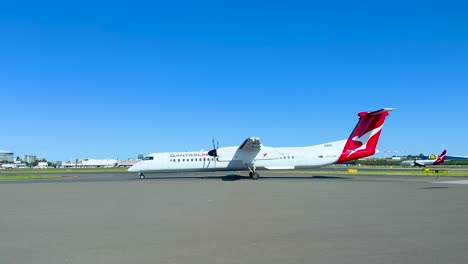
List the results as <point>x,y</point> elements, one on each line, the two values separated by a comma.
<point>219,218</point>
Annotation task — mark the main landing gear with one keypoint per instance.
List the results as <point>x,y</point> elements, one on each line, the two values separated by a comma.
<point>254,175</point>
<point>142,175</point>
<point>252,172</point>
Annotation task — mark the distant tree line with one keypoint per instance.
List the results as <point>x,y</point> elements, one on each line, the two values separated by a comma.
<point>375,162</point>
<point>456,162</point>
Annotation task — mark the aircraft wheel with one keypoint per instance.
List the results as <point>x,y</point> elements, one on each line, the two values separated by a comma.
<point>142,176</point>
<point>255,176</point>
<point>250,174</point>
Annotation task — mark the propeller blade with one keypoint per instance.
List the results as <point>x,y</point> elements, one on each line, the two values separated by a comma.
<point>214,151</point>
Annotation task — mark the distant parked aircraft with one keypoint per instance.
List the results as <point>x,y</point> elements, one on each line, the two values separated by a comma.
<point>426,162</point>
<point>251,155</point>
<point>7,166</point>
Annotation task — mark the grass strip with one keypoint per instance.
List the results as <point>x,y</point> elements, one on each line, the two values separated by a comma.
<point>28,177</point>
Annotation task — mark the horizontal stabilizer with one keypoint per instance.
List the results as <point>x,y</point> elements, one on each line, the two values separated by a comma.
<point>383,111</point>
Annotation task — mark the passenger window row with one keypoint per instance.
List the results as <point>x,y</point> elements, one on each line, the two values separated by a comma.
<point>212,159</point>
<point>192,160</point>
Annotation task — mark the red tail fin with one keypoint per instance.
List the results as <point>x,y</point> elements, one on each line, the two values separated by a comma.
<point>441,158</point>
<point>363,140</point>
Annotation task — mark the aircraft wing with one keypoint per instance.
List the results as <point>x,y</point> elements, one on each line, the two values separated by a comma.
<point>251,149</point>
<point>419,164</point>
<point>251,144</point>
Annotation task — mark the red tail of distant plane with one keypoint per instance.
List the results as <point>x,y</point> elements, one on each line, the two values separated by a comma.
<point>441,158</point>
<point>363,140</point>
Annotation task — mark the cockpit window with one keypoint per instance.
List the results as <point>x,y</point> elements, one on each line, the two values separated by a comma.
<point>148,158</point>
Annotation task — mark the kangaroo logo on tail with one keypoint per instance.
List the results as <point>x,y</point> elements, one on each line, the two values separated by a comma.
<point>441,158</point>
<point>363,140</point>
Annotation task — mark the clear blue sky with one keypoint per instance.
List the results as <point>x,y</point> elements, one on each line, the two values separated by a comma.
<point>112,80</point>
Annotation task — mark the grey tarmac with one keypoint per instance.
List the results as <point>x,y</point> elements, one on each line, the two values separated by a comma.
<point>219,218</point>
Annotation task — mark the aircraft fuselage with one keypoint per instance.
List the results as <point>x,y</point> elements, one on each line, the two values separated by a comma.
<point>234,159</point>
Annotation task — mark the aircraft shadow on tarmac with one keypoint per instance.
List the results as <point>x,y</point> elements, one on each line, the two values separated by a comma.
<point>235,177</point>
<point>433,187</point>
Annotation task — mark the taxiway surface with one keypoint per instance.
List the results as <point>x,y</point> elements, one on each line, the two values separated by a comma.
<point>219,218</point>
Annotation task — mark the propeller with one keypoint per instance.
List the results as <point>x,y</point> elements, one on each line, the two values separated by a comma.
<point>214,151</point>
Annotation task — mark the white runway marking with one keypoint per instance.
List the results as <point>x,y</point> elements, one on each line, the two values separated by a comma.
<point>454,182</point>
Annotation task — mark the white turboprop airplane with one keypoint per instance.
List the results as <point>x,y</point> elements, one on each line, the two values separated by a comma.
<point>251,155</point>
<point>7,166</point>
<point>426,162</point>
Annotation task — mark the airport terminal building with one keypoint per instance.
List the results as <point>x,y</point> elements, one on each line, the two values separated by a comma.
<point>29,158</point>
<point>7,156</point>
<point>90,163</point>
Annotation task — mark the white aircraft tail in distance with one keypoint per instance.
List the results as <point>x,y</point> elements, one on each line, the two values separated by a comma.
<point>426,162</point>
<point>252,156</point>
